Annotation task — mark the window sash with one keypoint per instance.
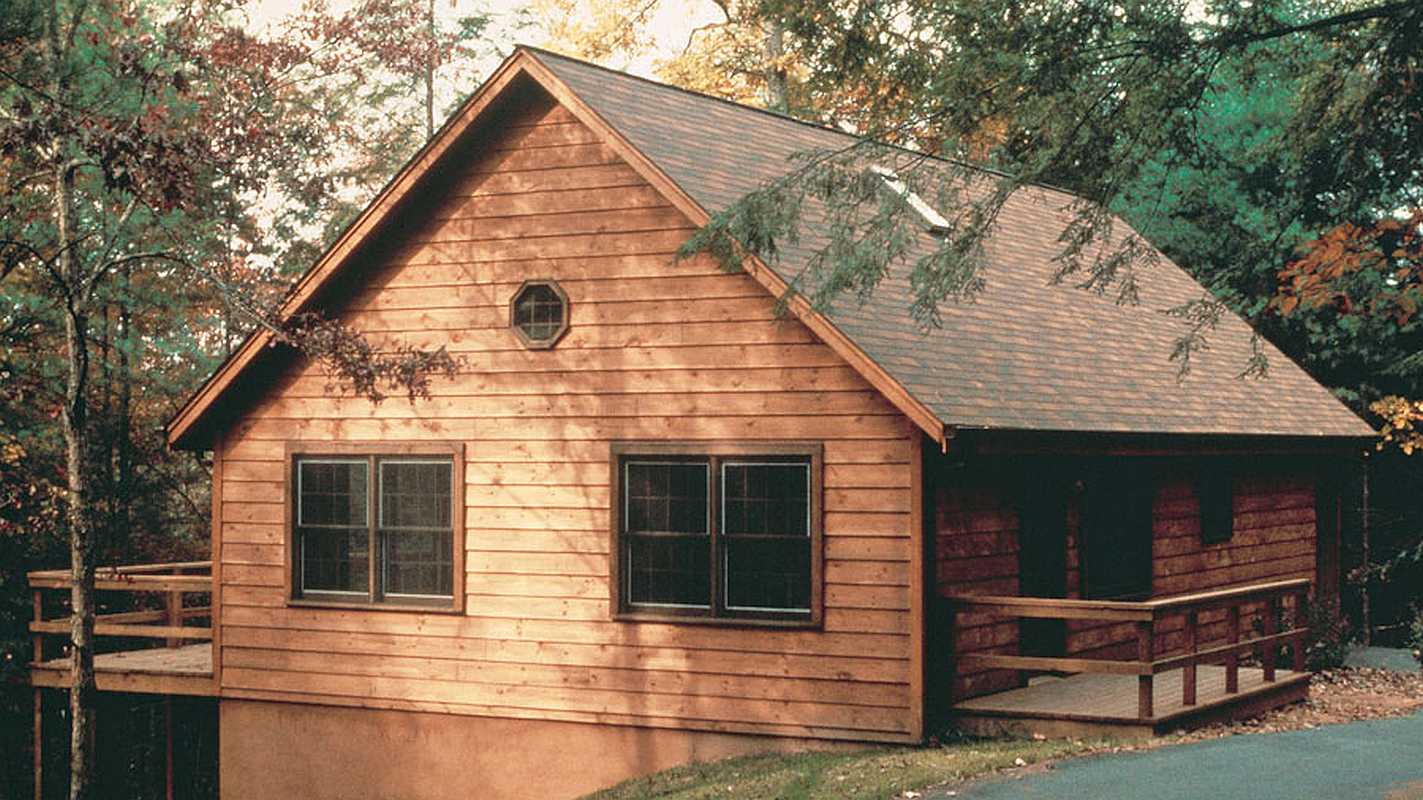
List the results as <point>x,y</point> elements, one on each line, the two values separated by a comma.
<point>720,543</point>
<point>301,493</point>
<point>377,550</point>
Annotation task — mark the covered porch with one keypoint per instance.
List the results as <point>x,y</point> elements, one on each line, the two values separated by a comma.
<point>1182,665</point>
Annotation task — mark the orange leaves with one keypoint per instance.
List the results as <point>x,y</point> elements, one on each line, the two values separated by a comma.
<point>1374,270</point>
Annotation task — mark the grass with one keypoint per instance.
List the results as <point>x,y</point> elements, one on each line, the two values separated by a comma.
<point>874,773</point>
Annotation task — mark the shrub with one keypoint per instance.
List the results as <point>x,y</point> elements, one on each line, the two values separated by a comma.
<point>1330,637</point>
<point>1415,636</point>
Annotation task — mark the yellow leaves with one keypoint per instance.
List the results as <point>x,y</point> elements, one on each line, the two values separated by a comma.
<point>12,453</point>
<point>1401,417</point>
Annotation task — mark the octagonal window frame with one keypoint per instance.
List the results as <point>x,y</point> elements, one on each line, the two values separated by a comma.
<point>527,340</point>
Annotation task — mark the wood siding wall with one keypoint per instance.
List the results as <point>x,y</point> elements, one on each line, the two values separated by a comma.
<point>656,351</point>
<point>977,553</point>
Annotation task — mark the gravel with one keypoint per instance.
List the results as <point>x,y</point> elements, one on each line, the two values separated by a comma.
<point>1336,696</point>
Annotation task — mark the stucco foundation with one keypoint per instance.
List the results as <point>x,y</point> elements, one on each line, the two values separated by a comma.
<point>288,750</point>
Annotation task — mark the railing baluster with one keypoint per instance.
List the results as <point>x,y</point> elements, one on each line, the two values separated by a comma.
<point>1301,624</point>
<point>1188,672</point>
<point>1232,661</point>
<point>1145,645</point>
<point>1267,655</point>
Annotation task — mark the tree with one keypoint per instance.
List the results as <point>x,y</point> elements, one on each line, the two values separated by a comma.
<point>1090,96</point>
<point>129,136</point>
<point>740,54</point>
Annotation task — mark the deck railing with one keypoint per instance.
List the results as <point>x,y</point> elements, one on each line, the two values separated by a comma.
<point>174,581</point>
<point>1147,616</point>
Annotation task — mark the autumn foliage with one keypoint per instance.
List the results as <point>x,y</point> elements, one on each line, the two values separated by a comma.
<point>1374,269</point>
<point>1366,272</point>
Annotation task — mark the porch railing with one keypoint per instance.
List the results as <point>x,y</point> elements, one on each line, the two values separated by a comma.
<point>174,581</point>
<point>1147,616</point>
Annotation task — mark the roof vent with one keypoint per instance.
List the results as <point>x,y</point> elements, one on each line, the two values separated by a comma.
<point>933,220</point>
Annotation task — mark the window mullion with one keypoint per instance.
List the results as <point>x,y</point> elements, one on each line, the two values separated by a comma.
<point>714,528</point>
<point>373,522</point>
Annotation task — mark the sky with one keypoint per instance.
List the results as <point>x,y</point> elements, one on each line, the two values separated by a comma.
<point>671,24</point>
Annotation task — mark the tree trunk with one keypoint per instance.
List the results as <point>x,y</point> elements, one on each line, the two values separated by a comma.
<point>430,72</point>
<point>75,293</point>
<point>79,514</point>
<point>124,489</point>
<point>775,73</point>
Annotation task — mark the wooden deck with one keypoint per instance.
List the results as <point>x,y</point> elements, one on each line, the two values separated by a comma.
<point>183,670</point>
<point>1097,705</point>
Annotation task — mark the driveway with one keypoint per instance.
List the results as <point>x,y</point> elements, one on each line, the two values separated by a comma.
<point>1362,760</point>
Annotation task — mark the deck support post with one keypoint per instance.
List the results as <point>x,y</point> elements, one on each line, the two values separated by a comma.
<point>1188,672</point>
<point>1268,650</point>
<point>1145,644</point>
<point>1301,624</point>
<point>1232,661</point>
<point>39,744</point>
<point>168,747</point>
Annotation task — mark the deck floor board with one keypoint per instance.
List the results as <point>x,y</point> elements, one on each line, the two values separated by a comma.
<point>157,670</point>
<point>1113,698</point>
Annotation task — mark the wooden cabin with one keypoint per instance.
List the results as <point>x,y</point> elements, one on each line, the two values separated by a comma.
<point>655,521</point>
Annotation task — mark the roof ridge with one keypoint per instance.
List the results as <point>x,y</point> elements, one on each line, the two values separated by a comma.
<point>701,95</point>
<point>815,126</point>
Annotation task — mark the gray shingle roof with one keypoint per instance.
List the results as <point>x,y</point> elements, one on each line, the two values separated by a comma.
<point>1027,354</point>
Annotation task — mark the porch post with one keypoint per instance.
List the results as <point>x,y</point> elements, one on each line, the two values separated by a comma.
<point>175,615</point>
<point>1188,672</point>
<point>1267,656</point>
<point>1232,661</point>
<point>1145,644</point>
<point>38,658</point>
<point>38,601</point>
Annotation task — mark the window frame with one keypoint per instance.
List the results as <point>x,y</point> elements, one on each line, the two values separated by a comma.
<point>713,454</point>
<point>528,341</point>
<point>374,454</point>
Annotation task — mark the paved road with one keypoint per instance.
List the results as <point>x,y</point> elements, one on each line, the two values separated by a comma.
<point>1380,759</point>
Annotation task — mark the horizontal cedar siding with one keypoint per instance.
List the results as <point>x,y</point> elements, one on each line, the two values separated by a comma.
<point>1273,540</point>
<point>657,351</point>
<point>977,552</point>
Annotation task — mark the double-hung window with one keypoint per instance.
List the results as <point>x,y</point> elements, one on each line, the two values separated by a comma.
<point>376,529</point>
<point>725,533</point>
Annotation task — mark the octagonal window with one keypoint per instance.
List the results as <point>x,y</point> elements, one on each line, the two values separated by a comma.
<point>539,313</point>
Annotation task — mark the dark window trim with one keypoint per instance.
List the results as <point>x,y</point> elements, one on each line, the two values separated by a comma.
<point>373,452</point>
<point>528,341</point>
<point>1215,485</point>
<point>714,453</point>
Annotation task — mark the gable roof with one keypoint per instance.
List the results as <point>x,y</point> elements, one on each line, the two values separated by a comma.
<point>1026,354</point>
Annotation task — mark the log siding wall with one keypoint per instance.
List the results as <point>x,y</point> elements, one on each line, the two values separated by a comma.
<point>656,351</point>
<point>977,553</point>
